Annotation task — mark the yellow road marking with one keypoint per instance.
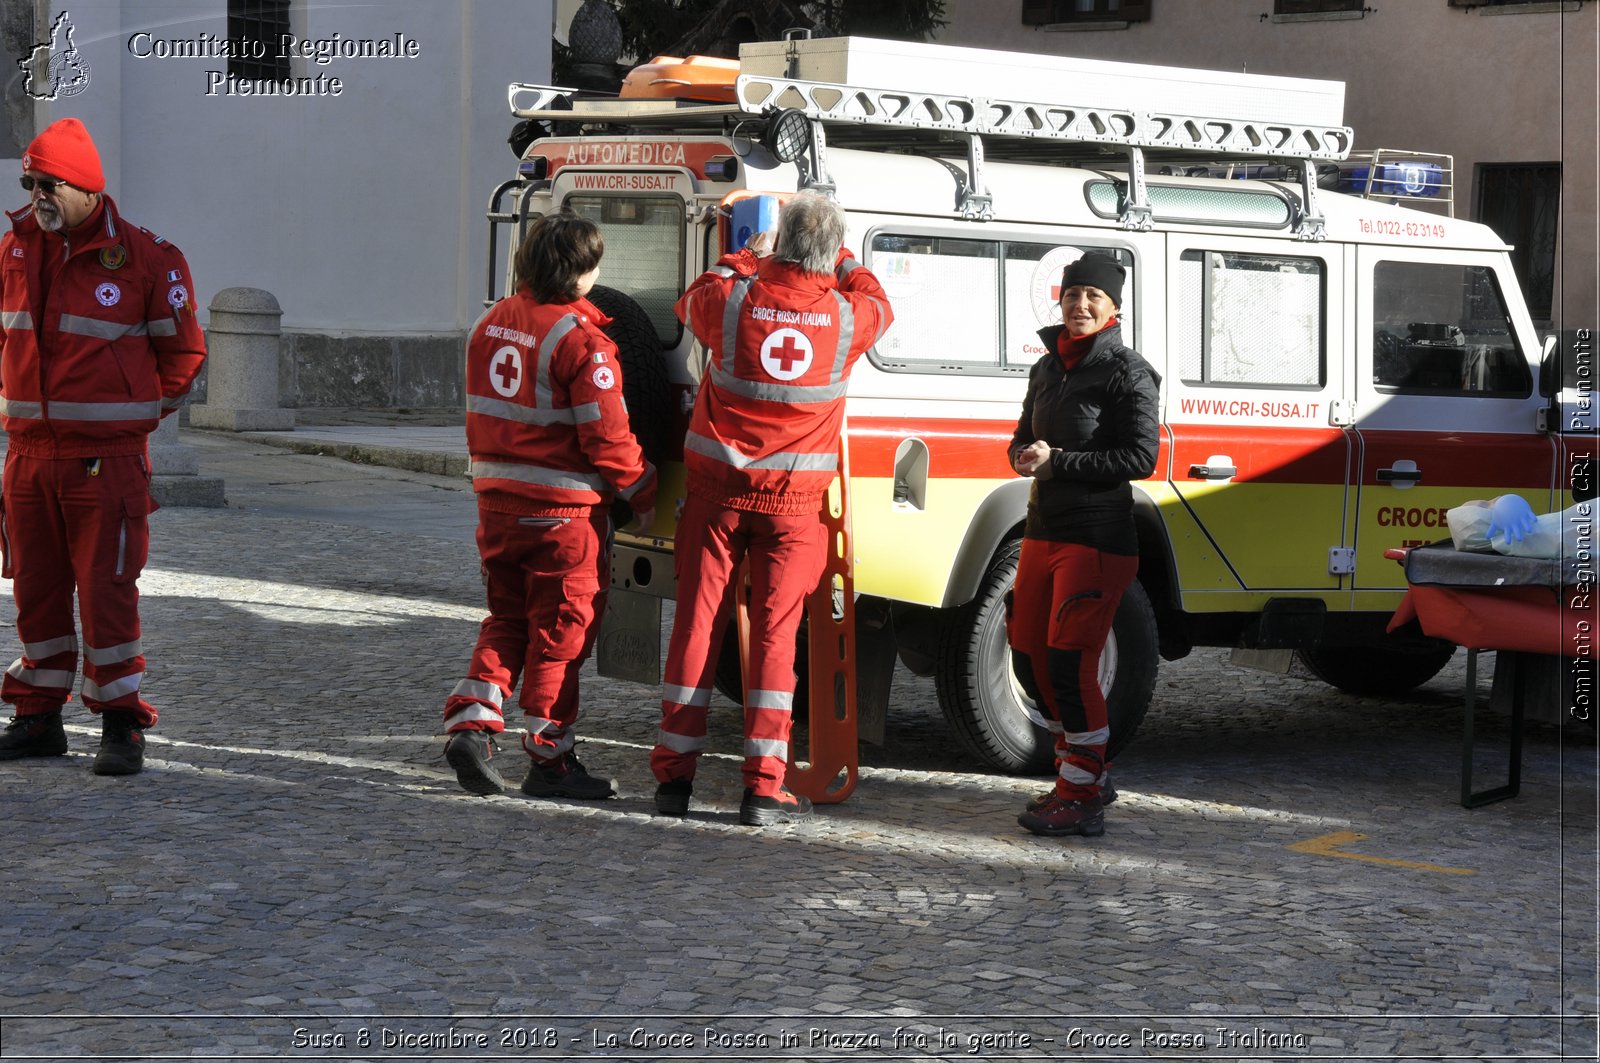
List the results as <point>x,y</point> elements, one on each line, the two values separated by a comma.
<point>1329,845</point>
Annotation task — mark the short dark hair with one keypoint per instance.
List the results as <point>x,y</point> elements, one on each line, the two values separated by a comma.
<point>557,250</point>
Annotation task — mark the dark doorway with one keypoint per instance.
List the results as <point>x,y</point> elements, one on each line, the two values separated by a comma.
<point>1520,202</point>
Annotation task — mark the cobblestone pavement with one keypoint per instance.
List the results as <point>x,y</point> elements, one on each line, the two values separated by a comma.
<point>1286,874</point>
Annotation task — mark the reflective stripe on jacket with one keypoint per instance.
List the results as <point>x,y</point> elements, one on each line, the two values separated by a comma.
<point>99,338</point>
<point>546,424</point>
<point>764,436</point>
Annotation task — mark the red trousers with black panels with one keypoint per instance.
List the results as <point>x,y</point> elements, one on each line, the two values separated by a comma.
<point>787,555</point>
<point>76,524</point>
<point>546,579</point>
<point>1064,602</point>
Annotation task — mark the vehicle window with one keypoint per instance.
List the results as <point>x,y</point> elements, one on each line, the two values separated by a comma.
<point>946,299</point>
<point>1033,295</point>
<point>1442,328</point>
<point>1205,206</point>
<point>974,305</point>
<point>644,251</point>
<point>1252,320</point>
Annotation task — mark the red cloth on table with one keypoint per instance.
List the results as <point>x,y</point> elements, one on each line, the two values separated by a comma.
<point>1530,619</point>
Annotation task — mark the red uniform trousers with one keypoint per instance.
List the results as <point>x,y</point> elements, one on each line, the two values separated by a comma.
<point>1066,597</point>
<point>546,579</point>
<point>65,523</point>
<point>787,556</point>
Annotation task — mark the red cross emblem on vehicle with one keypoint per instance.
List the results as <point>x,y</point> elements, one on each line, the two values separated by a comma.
<point>786,354</point>
<point>505,371</point>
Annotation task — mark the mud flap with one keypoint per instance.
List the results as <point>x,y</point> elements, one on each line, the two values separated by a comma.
<point>875,658</point>
<point>629,644</point>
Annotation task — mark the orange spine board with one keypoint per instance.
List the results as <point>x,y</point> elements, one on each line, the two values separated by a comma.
<point>698,77</point>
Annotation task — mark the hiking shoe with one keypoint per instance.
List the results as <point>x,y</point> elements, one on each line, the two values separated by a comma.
<point>121,744</point>
<point>468,752</point>
<point>1108,796</point>
<point>672,797</point>
<point>782,807</point>
<point>1056,818</point>
<point>565,777</point>
<point>34,736</point>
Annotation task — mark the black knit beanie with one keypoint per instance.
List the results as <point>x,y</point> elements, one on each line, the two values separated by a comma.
<point>1096,271</point>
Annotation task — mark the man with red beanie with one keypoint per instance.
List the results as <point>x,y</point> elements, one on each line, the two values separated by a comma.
<point>99,342</point>
<point>783,328</point>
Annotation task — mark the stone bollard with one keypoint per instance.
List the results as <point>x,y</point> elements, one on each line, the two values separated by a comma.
<point>175,466</point>
<point>242,365</point>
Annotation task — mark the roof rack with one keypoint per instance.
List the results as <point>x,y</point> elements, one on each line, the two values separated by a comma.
<point>1085,132</point>
<point>950,115</point>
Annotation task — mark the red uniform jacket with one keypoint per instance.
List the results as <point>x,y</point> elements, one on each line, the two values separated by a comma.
<point>546,425</point>
<point>100,339</point>
<point>764,436</point>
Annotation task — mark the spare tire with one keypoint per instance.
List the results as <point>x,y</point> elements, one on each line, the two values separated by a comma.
<point>645,385</point>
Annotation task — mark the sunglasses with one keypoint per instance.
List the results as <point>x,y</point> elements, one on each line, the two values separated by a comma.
<point>44,184</point>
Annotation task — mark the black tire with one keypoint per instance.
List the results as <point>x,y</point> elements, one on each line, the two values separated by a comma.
<point>645,385</point>
<point>727,678</point>
<point>1375,671</point>
<point>985,705</point>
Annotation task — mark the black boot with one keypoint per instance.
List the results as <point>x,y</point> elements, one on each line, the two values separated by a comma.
<point>34,736</point>
<point>121,744</point>
<point>782,807</point>
<point>469,752</point>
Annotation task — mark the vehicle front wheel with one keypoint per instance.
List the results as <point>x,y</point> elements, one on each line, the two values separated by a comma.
<point>985,704</point>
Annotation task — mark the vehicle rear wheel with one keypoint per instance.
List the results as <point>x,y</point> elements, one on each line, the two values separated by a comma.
<point>985,704</point>
<point>1375,671</point>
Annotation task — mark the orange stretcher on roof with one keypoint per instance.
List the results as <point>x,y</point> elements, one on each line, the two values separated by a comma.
<point>699,77</point>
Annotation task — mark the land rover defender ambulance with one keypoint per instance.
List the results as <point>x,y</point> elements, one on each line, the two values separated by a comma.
<point>1339,368</point>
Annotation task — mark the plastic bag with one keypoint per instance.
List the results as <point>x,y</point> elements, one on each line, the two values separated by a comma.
<point>1543,541</point>
<point>1469,526</point>
<point>1473,528</point>
<point>1568,533</point>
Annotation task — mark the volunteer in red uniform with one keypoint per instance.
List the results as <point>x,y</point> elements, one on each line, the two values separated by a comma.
<point>783,330</point>
<point>551,450</point>
<point>1089,426</point>
<point>99,342</point>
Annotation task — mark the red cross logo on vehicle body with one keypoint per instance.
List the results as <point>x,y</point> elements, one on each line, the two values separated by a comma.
<point>786,354</point>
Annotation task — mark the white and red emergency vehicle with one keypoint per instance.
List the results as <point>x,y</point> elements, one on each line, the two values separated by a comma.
<point>1339,369</point>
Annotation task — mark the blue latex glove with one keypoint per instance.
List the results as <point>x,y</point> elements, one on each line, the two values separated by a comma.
<point>1512,517</point>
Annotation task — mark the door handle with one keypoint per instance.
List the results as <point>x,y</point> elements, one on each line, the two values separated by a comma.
<point>1212,472</point>
<point>1399,476</point>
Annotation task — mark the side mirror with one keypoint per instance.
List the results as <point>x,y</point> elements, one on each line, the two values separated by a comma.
<point>1549,368</point>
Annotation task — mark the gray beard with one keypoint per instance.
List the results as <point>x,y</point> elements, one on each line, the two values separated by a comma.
<point>51,222</point>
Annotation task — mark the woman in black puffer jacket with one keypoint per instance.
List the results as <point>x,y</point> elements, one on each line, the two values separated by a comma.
<point>1090,424</point>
